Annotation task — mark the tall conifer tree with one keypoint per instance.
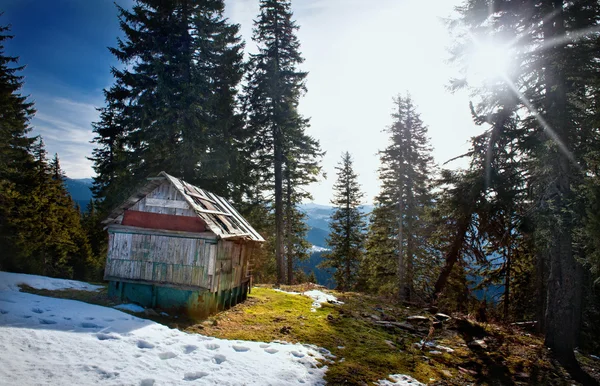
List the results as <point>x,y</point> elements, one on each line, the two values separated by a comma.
<point>285,158</point>
<point>555,54</point>
<point>346,238</point>
<point>16,161</point>
<point>173,105</point>
<point>405,174</point>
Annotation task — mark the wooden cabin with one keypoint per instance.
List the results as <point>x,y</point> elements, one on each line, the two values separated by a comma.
<point>173,245</point>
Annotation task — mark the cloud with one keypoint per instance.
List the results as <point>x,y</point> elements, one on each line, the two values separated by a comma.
<point>66,128</point>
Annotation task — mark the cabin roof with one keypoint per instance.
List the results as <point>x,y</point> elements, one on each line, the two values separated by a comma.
<point>220,216</point>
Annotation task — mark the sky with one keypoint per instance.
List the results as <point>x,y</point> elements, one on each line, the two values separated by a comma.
<point>359,55</point>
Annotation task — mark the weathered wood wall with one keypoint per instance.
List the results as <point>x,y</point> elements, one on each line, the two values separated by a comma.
<point>177,259</point>
<point>165,199</point>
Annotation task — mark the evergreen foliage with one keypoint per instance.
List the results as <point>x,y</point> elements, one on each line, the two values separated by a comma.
<point>15,114</point>
<point>15,145</point>
<point>544,131</point>
<point>346,238</point>
<point>285,158</point>
<point>398,232</point>
<point>173,105</point>
<point>47,235</point>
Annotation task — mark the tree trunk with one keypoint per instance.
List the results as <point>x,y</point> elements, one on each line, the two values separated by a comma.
<point>541,283</point>
<point>506,302</point>
<point>563,304</point>
<point>289,239</point>
<point>452,256</point>
<point>401,267</point>
<point>278,169</point>
<point>348,236</point>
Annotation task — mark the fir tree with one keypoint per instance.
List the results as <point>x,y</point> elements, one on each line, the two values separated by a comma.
<point>346,238</point>
<point>91,221</point>
<point>548,85</point>
<point>173,105</point>
<point>15,114</point>
<point>284,156</point>
<point>405,173</point>
<point>16,162</point>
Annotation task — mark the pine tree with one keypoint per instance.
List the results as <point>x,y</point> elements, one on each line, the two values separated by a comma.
<point>15,157</point>
<point>555,56</point>
<point>15,114</point>
<point>91,222</point>
<point>173,105</point>
<point>405,174</point>
<point>48,236</point>
<point>285,158</point>
<point>346,238</point>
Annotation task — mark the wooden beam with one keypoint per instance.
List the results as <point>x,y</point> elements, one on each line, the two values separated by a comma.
<point>212,212</point>
<point>167,203</point>
<point>159,178</point>
<point>208,236</point>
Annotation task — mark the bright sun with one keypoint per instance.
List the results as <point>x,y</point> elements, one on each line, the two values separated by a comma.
<point>488,63</point>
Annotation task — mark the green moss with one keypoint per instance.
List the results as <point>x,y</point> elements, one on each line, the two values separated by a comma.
<point>367,357</point>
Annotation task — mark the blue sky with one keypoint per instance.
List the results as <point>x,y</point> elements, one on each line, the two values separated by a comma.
<point>64,44</point>
<point>359,54</point>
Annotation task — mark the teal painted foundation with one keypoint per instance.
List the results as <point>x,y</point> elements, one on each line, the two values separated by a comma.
<point>196,303</point>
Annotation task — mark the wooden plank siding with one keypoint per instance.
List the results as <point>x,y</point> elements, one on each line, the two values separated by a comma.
<point>183,260</point>
<point>172,202</point>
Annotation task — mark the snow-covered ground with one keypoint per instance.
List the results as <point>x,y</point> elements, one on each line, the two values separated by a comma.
<point>400,380</point>
<point>130,308</point>
<point>64,342</point>
<point>10,281</point>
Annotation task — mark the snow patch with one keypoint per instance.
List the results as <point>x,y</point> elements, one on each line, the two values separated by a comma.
<point>400,380</point>
<point>88,344</point>
<point>316,248</point>
<point>10,282</point>
<point>130,307</point>
<point>318,297</point>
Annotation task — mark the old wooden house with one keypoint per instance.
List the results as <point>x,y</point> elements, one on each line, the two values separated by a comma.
<point>175,246</point>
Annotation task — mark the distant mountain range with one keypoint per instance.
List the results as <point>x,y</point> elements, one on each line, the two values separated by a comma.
<point>318,217</point>
<point>80,190</point>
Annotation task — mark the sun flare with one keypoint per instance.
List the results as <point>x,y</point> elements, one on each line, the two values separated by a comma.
<point>488,62</point>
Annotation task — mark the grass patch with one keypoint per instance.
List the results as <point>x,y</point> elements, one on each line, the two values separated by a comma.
<point>99,297</point>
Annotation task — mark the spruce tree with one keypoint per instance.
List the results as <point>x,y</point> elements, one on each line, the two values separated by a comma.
<point>15,115</point>
<point>173,105</point>
<point>555,56</point>
<point>405,174</point>
<point>16,162</point>
<point>346,238</point>
<point>285,158</point>
<point>91,222</point>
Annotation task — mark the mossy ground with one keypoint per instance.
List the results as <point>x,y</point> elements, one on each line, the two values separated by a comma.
<point>365,352</point>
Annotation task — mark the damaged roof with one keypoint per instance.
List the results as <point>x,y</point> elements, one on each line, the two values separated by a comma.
<point>220,216</point>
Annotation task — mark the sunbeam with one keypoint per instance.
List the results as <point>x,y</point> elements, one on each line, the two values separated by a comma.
<point>491,61</point>
<point>571,37</point>
<point>547,128</point>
